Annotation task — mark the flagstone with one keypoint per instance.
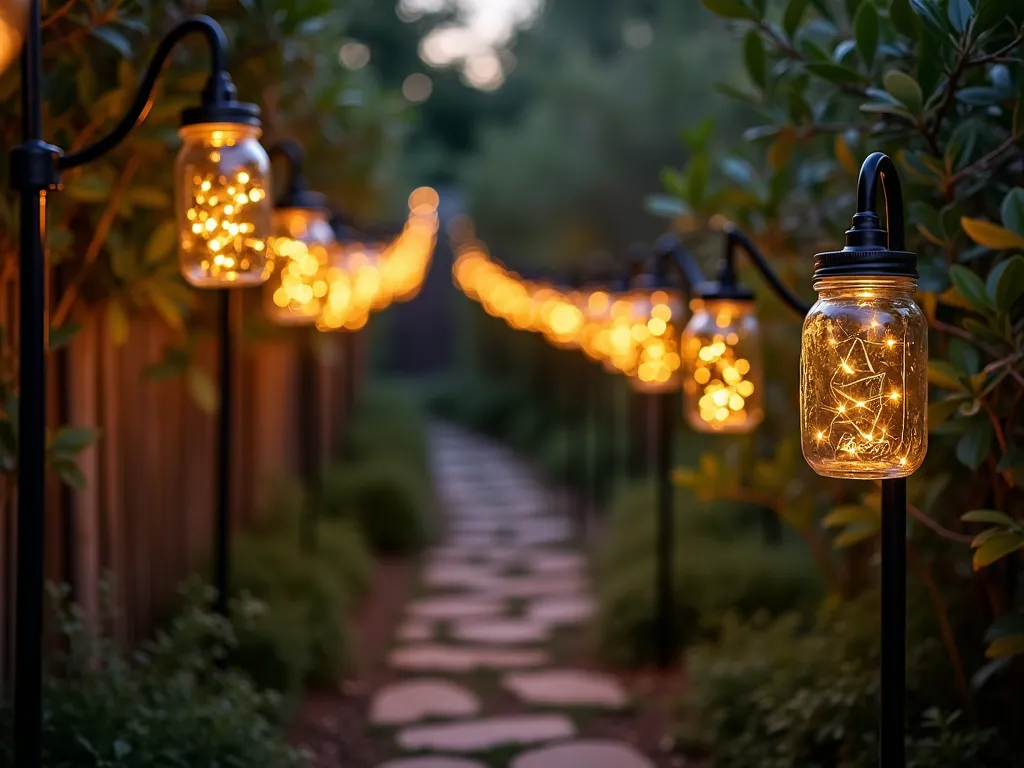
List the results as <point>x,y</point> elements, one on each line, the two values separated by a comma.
<point>567,688</point>
<point>562,611</point>
<point>432,762</point>
<point>501,631</point>
<point>463,658</point>
<point>487,733</point>
<point>591,753</point>
<point>414,700</point>
<point>456,607</point>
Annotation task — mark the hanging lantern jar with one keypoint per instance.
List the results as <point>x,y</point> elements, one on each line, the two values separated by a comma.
<point>723,376</point>
<point>654,329</point>
<point>223,207</point>
<point>864,357</point>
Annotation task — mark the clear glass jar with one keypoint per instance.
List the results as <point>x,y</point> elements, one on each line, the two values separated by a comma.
<point>723,376</point>
<point>655,329</point>
<point>304,248</point>
<point>864,379</point>
<point>223,208</point>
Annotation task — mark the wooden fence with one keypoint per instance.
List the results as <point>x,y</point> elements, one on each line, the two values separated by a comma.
<point>146,516</point>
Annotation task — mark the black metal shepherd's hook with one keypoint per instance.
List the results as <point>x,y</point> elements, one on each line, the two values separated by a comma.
<point>35,173</point>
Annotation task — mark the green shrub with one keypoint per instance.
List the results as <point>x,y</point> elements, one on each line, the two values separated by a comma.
<point>721,566</point>
<point>271,648</point>
<point>169,704</point>
<point>388,421</point>
<point>298,586</point>
<point>769,695</point>
<point>389,502</point>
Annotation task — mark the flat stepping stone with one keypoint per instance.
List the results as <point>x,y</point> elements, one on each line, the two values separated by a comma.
<point>562,611</point>
<point>487,733</point>
<point>592,754</point>
<point>501,631</point>
<point>432,762</point>
<point>415,631</point>
<point>555,562</point>
<point>455,658</point>
<point>567,688</point>
<point>456,607</point>
<point>536,586</point>
<point>456,574</point>
<point>416,700</point>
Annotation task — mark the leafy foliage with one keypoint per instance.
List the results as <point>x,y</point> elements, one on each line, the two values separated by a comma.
<point>939,86</point>
<point>169,704</point>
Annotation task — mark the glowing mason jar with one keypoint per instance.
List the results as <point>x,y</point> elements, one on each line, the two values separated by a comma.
<point>723,374</point>
<point>223,209</point>
<point>655,330</point>
<point>863,378</point>
<point>304,249</point>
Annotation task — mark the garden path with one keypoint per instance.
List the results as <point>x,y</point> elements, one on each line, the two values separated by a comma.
<point>481,677</point>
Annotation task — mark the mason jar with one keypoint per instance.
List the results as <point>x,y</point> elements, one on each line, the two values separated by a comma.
<point>863,378</point>
<point>723,373</point>
<point>222,205</point>
<point>304,248</point>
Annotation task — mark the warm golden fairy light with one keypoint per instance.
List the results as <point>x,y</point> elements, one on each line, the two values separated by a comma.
<point>654,362</point>
<point>223,209</point>
<point>723,387</point>
<point>304,249</point>
<point>863,379</point>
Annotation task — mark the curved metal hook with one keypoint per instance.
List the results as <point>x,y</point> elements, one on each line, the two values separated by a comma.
<point>218,86</point>
<point>879,169</point>
<point>736,237</point>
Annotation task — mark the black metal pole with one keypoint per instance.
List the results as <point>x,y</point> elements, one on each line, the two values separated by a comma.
<point>222,512</point>
<point>310,441</point>
<point>665,566</point>
<point>28,164</point>
<point>894,624</point>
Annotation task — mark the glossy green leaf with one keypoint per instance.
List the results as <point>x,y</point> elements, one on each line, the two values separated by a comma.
<point>965,356</point>
<point>975,444</point>
<point>940,411</point>
<point>971,287</point>
<point>834,73</point>
<point>905,89</point>
<point>850,514</point>
<point>928,11</point>
<point>64,335</point>
<point>904,19</point>
<point>72,440</point>
<point>1013,211</point>
<point>731,9</point>
<point>855,534</point>
<point>69,473</point>
<point>960,147</point>
<point>865,32</point>
<point>1005,283</point>
<point>945,375</point>
<point>960,13</point>
<point>1006,626</point>
<point>794,15</point>
<point>665,206</point>
<point>992,235</point>
<point>755,58</point>
<point>1006,648</point>
<point>995,549</point>
<point>114,39</point>
<point>992,516</point>
<point>88,187</point>
<point>202,389</point>
<point>117,321</point>
<point>979,96</point>
<point>928,222</point>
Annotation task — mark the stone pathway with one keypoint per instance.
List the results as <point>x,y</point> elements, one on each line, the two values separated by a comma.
<point>496,592</point>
